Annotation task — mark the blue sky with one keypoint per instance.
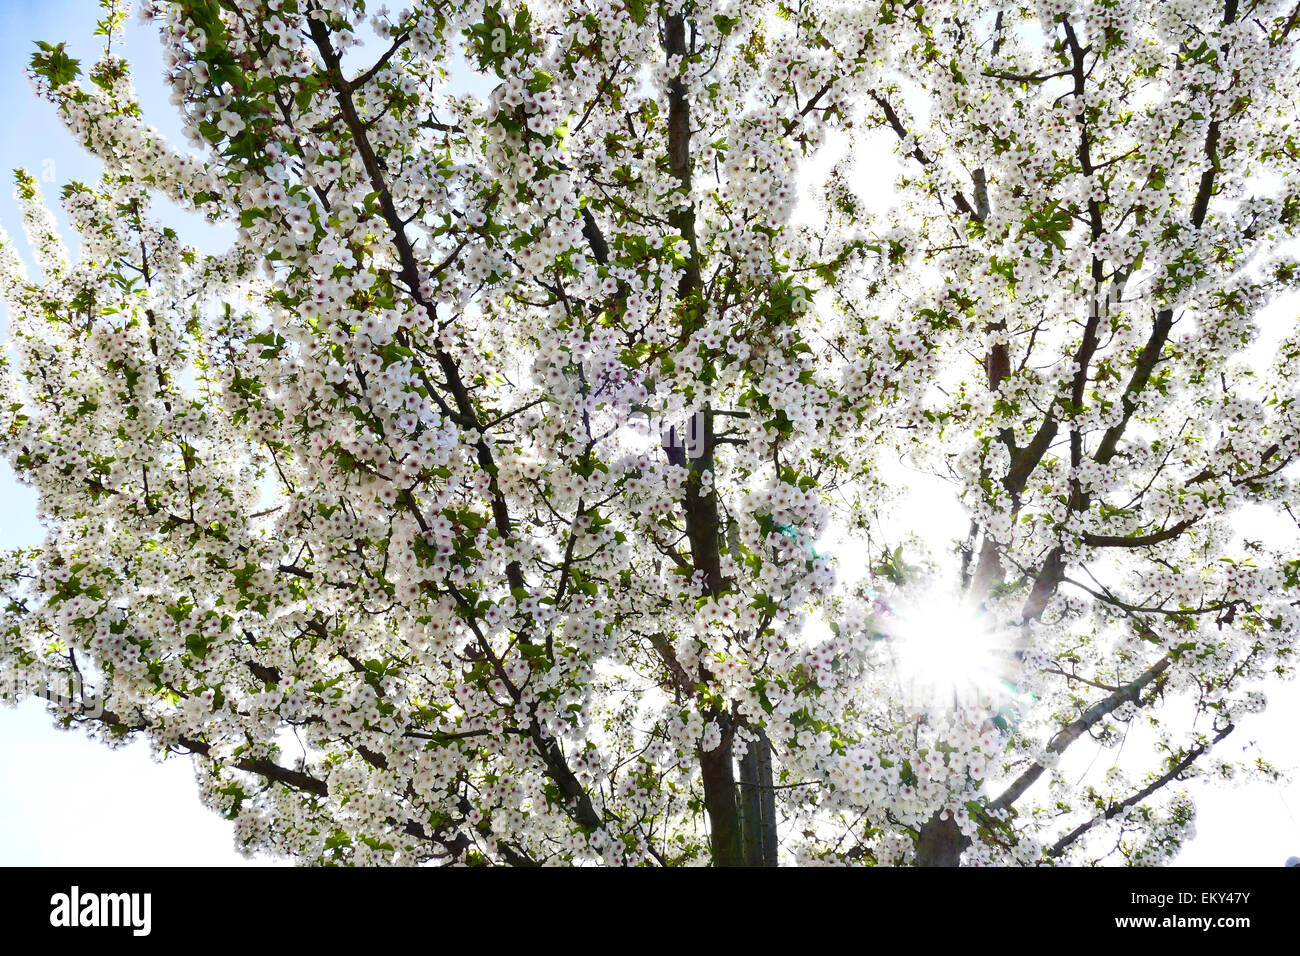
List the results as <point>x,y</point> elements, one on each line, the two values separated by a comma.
<point>66,801</point>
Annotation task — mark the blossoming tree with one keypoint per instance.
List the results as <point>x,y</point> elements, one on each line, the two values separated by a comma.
<point>516,490</point>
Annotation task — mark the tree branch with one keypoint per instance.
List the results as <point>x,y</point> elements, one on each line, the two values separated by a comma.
<point>1129,692</point>
<point>1115,809</point>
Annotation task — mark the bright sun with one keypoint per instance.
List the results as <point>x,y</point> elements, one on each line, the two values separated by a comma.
<point>948,655</point>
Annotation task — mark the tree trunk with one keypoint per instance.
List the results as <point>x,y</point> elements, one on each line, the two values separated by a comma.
<point>719,778</point>
<point>758,803</point>
<point>940,843</point>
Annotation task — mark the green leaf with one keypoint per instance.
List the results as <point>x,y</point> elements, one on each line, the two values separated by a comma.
<point>54,64</point>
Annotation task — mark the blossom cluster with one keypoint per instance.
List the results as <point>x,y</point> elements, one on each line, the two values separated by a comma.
<point>355,512</point>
